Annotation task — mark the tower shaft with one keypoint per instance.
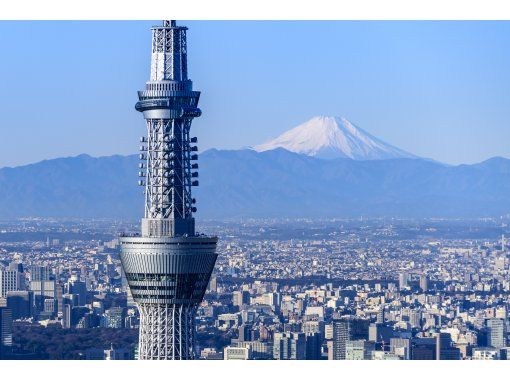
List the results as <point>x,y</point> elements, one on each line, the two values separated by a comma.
<point>166,332</point>
<point>168,157</point>
<point>168,267</point>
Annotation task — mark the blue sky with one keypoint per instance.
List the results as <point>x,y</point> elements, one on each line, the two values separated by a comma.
<point>436,89</point>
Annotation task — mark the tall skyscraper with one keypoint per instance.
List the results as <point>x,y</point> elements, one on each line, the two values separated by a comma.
<point>5,330</point>
<point>78,289</point>
<point>42,284</point>
<point>289,346</point>
<point>380,333</point>
<point>445,349</point>
<point>346,329</point>
<point>313,346</point>
<point>40,273</point>
<point>415,318</point>
<point>424,283</point>
<point>341,332</point>
<point>403,279</point>
<point>10,280</point>
<point>423,348</point>
<point>381,315</point>
<point>496,334</point>
<point>21,303</point>
<point>245,333</point>
<point>168,267</point>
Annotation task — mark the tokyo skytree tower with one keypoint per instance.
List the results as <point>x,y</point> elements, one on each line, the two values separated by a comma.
<point>168,265</point>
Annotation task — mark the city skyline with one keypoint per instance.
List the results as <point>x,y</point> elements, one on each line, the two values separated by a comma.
<point>435,89</point>
<point>353,203</point>
<point>286,290</point>
<point>345,245</point>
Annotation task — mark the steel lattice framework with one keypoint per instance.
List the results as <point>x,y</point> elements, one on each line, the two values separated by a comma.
<point>168,267</point>
<point>167,332</point>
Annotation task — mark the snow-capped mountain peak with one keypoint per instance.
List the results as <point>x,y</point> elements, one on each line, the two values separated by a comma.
<point>334,137</point>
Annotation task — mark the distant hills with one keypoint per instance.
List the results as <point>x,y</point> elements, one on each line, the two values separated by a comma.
<point>80,186</point>
<point>247,183</point>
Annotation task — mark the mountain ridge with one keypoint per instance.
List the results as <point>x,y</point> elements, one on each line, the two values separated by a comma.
<point>275,183</point>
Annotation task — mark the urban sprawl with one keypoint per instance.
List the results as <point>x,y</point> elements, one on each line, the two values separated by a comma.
<point>376,289</point>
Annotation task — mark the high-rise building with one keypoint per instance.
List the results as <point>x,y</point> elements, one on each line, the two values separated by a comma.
<point>76,316</point>
<point>50,307</point>
<point>329,347</point>
<point>401,347</point>
<point>168,267</point>
<point>380,333</point>
<point>423,349</point>
<point>289,346</point>
<point>424,283</point>
<point>328,331</point>
<point>496,334</point>
<point>358,328</point>
<point>40,273</point>
<point>313,346</point>
<point>312,327</point>
<point>78,289</point>
<point>403,279</point>
<point>42,289</point>
<point>66,314</point>
<point>500,263</point>
<point>340,337</point>
<point>380,315</point>
<point>10,280</point>
<point>445,349</point>
<point>245,333</point>
<point>20,302</point>
<point>415,318</point>
<point>240,298</point>
<point>114,318</point>
<point>60,299</point>
<point>359,350</point>
<point>213,284</point>
<point>297,346</point>
<point>5,330</point>
<point>259,350</point>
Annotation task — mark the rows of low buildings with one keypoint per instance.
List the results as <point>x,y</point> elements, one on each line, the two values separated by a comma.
<point>337,290</point>
<point>74,284</point>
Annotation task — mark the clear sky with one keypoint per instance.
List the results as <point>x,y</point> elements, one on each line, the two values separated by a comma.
<point>436,89</point>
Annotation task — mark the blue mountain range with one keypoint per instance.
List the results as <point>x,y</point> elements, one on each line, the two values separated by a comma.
<point>272,183</point>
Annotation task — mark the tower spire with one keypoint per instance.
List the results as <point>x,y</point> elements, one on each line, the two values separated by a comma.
<point>168,267</point>
<point>171,23</point>
<point>169,105</point>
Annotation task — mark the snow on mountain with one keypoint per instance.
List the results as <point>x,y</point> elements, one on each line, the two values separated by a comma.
<point>334,137</point>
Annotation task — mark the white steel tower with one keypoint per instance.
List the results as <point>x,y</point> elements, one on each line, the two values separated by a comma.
<point>168,266</point>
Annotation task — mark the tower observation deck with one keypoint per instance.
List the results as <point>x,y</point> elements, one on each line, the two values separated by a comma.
<point>169,265</point>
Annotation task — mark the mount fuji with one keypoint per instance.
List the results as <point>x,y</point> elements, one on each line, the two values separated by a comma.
<point>334,137</point>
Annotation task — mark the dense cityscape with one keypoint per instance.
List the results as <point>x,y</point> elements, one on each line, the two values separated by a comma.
<point>376,289</point>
